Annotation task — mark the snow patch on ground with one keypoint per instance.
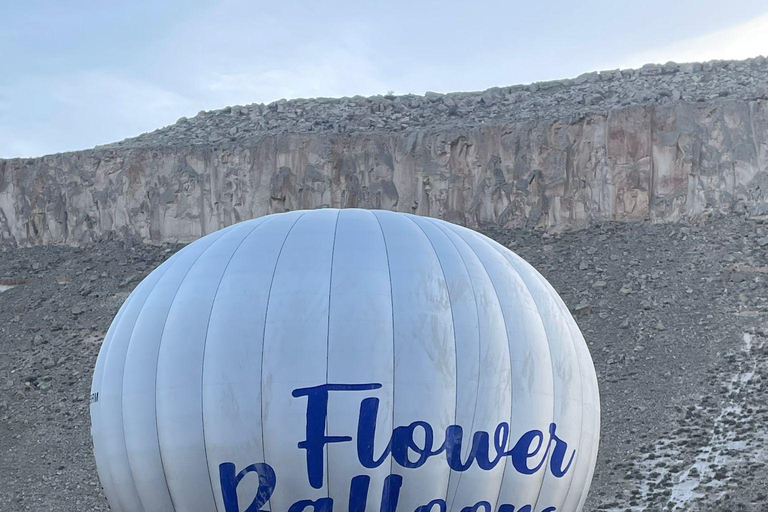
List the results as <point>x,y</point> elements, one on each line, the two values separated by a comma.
<point>665,479</point>
<point>705,477</point>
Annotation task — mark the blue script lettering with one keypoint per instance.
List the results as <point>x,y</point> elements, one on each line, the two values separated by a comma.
<point>390,495</point>
<point>531,445</point>
<point>477,506</point>
<point>317,412</point>
<point>321,505</point>
<point>230,481</point>
<point>558,454</point>
<point>524,508</point>
<point>358,491</point>
<point>520,453</point>
<point>440,503</point>
<point>528,455</point>
<point>358,494</point>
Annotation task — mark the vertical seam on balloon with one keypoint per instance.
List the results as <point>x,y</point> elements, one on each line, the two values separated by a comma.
<point>558,309</point>
<point>593,384</point>
<point>108,339</point>
<point>551,362</point>
<point>392,308</point>
<point>565,314</point>
<point>327,347</point>
<point>563,310</point>
<point>99,368</point>
<point>259,223</point>
<point>584,488</point>
<point>122,380</point>
<point>596,423</point>
<point>157,366</point>
<point>479,344</point>
<point>264,340</point>
<point>555,404</point>
<point>583,391</point>
<point>105,350</point>
<point>506,332</point>
<point>453,326</point>
<point>106,344</point>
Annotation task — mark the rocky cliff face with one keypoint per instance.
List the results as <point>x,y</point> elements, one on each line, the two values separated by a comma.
<point>658,143</point>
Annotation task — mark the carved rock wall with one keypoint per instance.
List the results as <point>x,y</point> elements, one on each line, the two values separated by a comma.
<point>658,162</point>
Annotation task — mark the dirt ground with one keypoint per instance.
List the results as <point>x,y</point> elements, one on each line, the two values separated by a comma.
<point>676,317</point>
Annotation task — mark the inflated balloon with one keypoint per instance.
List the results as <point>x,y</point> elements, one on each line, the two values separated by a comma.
<point>345,360</point>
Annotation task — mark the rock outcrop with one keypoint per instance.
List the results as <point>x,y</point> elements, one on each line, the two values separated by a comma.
<point>659,143</point>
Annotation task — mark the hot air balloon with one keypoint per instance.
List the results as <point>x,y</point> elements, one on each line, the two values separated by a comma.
<point>345,360</point>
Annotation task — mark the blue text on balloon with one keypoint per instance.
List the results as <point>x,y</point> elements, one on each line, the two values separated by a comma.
<point>528,455</point>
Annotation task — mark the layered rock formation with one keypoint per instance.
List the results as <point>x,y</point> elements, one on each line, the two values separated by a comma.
<point>657,143</point>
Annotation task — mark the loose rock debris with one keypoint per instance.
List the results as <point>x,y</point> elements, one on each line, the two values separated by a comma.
<point>675,315</point>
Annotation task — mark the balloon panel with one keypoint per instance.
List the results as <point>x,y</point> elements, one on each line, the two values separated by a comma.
<point>347,360</point>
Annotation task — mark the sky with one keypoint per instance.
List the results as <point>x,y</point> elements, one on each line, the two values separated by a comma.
<point>76,74</point>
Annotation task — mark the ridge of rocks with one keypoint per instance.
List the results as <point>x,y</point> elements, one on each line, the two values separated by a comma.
<point>568,99</point>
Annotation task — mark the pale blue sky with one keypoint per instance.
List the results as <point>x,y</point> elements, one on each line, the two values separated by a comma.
<point>80,73</point>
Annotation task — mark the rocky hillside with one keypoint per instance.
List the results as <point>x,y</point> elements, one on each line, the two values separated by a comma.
<point>660,142</point>
<point>675,315</point>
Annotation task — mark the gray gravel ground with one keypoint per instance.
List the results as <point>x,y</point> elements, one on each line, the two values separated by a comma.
<point>676,317</point>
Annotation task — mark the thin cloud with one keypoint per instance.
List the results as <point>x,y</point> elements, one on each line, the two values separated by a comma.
<point>98,107</point>
<point>144,65</point>
<point>741,41</point>
<point>339,70</point>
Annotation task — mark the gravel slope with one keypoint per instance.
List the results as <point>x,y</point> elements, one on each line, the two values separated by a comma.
<point>676,317</point>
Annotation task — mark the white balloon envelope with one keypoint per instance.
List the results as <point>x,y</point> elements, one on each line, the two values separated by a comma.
<point>345,360</point>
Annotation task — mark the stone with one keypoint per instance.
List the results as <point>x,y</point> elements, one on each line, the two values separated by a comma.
<point>129,280</point>
<point>651,69</point>
<point>737,277</point>
<point>587,77</point>
<point>582,309</point>
<point>687,68</point>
